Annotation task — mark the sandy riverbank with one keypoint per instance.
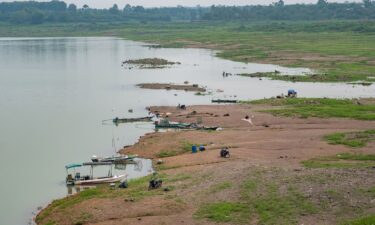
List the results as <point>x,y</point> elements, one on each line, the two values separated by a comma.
<point>264,169</point>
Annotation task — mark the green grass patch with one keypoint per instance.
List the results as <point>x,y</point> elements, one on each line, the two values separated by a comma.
<point>184,147</point>
<point>166,153</point>
<point>343,160</point>
<point>178,177</point>
<point>223,212</point>
<point>220,187</point>
<point>319,107</point>
<point>83,218</point>
<point>359,157</point>
<point>368,220</point>
<point>371,192</point>
<point>351,139</point>
<point>273,207</point>
<point>262,200</point>
<point>61,204</point>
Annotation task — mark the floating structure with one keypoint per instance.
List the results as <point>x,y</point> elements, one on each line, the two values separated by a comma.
<point>224,101</point>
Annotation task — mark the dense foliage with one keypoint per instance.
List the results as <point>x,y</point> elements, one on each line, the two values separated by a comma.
<point>32,12</point>
<point>278,11</point>
<point>58,11</point>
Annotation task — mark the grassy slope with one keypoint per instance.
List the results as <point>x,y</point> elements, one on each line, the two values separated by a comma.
<point>340,54</point>
<point>343,160</point>
<point>272,197</point>
<point>351,139</point>
<point>324,108</point>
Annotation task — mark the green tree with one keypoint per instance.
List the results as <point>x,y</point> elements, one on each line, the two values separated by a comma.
<point>37,17</point>
<point>72,8</point>
<point>322,3</point>
<point>280,3</point>
<point>114,9</point>
<point>127,8</point>
<point>367,3</point>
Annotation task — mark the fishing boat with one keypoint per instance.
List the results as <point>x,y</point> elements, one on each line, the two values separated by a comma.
<point>75,178</point>
<point>131,120</point>
<point>165,124</point>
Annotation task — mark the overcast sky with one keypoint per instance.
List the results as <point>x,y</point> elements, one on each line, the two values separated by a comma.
<point>155,3</point>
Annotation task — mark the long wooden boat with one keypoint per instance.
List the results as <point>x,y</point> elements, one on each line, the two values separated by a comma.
<point>122,159</point>
<point>131,120</point>
<point>173,126</point>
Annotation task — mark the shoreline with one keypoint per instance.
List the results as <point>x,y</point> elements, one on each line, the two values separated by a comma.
<point>272,143</point>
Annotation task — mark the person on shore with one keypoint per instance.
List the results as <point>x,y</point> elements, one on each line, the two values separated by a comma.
<point>248,119</point>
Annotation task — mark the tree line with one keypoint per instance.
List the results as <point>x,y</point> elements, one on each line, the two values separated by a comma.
<point>32,12</point>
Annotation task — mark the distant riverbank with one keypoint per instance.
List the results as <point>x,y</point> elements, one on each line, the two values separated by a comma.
<point>337,56</point>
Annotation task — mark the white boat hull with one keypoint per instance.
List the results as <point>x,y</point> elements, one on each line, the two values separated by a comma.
<point>100,180</point>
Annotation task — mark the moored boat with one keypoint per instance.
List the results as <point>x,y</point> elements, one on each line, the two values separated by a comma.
<point>75,178</point>
<point>100,180</point>
<point>131,120</point>
<point>165,124</point>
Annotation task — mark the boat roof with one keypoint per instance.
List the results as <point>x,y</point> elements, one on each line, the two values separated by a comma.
<point>97,163</point>
<point>73,165</point>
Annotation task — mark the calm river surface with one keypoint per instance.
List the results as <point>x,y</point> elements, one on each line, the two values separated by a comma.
<point>54,93</point>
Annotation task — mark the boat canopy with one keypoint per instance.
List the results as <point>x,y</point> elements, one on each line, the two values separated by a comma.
<point>73,165</point>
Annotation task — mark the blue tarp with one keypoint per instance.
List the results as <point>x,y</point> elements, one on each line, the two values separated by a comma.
<point>291,92</point>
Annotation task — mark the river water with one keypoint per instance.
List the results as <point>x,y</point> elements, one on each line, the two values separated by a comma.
<point>55,92</point>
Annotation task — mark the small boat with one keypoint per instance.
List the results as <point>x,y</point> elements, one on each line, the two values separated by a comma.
<point>100,180</point>
<point>165,124</point>
<point>75,178</point>
<point>131,120</point>
<point>224,101</point>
